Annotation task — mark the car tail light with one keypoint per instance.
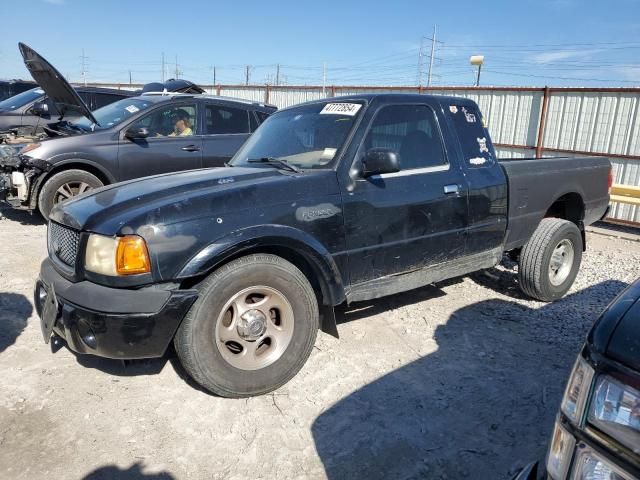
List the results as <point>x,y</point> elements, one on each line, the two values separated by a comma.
<point>610,179</point>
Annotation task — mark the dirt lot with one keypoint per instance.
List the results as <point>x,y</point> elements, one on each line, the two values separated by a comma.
<point>460,380</point>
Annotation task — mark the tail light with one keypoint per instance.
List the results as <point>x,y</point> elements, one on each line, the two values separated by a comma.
<point>610,182</point>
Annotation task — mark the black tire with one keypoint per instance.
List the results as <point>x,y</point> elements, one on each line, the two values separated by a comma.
<point>49,196</point>
<point>195,340</point>
<point>535,259</point>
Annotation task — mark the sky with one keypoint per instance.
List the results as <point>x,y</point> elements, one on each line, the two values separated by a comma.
<point>524,42</point>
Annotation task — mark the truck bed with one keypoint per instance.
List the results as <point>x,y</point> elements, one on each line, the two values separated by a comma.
<point>538,185</point>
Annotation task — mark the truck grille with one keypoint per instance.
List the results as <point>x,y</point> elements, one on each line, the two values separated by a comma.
<point>63,243</point>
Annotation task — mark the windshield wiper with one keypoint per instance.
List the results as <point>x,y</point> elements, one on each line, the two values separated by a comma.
<point>276,162</point>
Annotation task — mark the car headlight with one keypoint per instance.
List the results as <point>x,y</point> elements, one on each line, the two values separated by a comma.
<point>560,452</point>
<point>615,409</point>
<point>578,387</point>
<point>590,466</point>
<point>115,256</point>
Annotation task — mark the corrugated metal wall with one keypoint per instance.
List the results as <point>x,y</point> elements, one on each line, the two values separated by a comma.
<point>577,121</point>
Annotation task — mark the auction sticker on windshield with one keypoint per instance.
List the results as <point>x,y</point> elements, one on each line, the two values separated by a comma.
<point>349,109</point>
<point>132,109</point>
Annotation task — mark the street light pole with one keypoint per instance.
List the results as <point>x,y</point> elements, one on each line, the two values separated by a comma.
<point>477,60</point>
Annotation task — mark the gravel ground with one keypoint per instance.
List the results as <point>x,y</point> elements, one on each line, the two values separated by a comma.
<point>459,380</point>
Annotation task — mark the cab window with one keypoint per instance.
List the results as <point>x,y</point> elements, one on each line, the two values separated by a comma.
<point>412,132</point>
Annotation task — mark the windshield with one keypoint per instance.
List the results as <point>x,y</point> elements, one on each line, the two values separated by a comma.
<point>113,114</point>
<point>307,137</point>
<point>21,99</point>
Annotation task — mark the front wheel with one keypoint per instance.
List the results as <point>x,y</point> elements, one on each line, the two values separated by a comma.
<point>251,329</point>
<point>550,260</point>
<point>63,186</point>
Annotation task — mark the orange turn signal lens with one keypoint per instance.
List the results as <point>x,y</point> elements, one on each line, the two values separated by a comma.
<point>132,256</point>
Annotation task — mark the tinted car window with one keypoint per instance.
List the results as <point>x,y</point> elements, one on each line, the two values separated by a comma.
<point>224,120</point>
<point>412,132</point>
<point>21,99</point>
<point>86,98</point>
<point>104,99</point>
<point>114,113</point>
<point>262,116</point>
<point>165,121</point>
<point>475,141</point>
<point>253,121</point>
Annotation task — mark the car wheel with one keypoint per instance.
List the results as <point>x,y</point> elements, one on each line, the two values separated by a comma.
<point>252,328</point>
<point>63,186</point>
<point>550,260</point>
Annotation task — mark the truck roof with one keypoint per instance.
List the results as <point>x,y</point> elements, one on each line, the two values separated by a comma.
<point>392,97</point>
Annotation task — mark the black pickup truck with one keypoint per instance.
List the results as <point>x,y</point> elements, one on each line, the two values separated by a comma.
<point>345,199</point>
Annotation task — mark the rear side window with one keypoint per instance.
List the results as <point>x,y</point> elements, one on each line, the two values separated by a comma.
<point>103,99</point>
<point>220,120</point>
<point>475,141</point>
<point>412,132</point>
<point>262,116</point>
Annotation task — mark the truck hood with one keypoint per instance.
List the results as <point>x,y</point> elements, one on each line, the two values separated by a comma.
<point>616,334</point>
<point>132,206</point>
<point>54,84</point>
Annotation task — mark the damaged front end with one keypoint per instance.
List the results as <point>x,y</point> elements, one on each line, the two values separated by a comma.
<point>19,177</point>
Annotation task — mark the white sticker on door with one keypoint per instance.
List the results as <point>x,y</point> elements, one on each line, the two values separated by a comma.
<point>471,118</point>
<point>482,143</point>
<point>349,109</point>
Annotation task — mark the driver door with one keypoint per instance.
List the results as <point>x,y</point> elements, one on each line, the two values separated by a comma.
<point>163,150</point>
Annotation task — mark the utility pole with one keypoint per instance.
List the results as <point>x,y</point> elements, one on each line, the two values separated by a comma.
<point>83,72</point>
<point>420,62</point>
<point>278,74</point>
<point>177,71</point>
<point>214,75</point>
<point>247,74</point>
<point>130,82</point>
<point>163,67</point>
<point>324,79</point>
<point>433,52</point>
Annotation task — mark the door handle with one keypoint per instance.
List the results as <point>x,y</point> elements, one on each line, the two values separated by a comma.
<point>191,148</point>
<point>451,188</point>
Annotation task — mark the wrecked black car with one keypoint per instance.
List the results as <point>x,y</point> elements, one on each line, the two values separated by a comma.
<point>597,431</point>
<point>155,132</point>
<point>24,117</point>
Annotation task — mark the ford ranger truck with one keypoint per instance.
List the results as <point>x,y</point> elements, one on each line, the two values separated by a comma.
<point>339,200</point>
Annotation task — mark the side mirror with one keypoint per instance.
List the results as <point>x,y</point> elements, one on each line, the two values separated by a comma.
<point>40,109</point>
<point>134,133</point>
<point>380,160</point>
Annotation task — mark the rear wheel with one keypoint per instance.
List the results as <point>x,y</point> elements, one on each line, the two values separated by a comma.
<point>550,260</point>
<point>251,329</point>
<point>63,186</point>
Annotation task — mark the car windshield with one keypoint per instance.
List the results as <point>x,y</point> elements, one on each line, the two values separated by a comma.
<point>308,136</point>
<point>21,99</point>
<point>113,114</point>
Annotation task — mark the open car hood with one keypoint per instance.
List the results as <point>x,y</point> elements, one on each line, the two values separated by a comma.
<point>54,84</point>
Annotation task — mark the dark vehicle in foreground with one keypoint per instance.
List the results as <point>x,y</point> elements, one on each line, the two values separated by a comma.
<point>27,114</point>
<point>597,430</point>
<point>130,138</point>
<point>9,88</point>
<point>344,199</point>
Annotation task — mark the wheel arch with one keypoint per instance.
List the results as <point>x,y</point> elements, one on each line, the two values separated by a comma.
<point>72,164</point>
<point>295,246</point>
<point>570,206</point>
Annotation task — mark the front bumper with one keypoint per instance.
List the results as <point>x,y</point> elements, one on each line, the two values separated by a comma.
<point>112,322</point>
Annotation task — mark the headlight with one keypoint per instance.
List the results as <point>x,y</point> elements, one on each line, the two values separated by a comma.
<point>577,390</point>
<point>116,256</point>
<point>560,452</point>
<point>615,409</point>
<point>590,466</point>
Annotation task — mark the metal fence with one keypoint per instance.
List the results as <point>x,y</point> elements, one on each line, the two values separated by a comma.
<point>523,122</point>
